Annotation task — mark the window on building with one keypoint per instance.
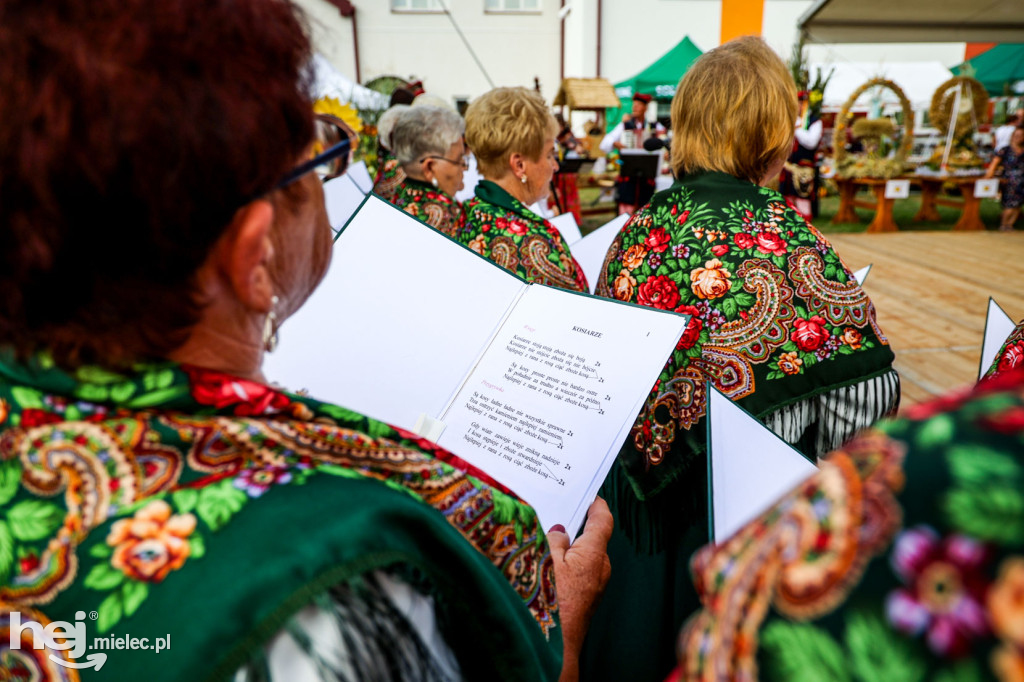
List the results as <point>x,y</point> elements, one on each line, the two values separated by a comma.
<point>416,6</point>
<point>512,5</point>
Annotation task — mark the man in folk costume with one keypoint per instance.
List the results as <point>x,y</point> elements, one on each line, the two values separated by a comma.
<point>632,192</point>
<point>799,180</point>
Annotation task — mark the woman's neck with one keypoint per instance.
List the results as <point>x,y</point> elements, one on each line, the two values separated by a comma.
<point>514,186</point>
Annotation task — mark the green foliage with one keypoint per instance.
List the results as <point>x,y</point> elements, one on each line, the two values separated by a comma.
<point>34,519</point>
<point>877,654</point>
<point>217,503</point>
<point>802,653</point>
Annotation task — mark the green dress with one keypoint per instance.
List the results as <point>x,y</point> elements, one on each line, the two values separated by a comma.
<point>499,227</point>
<point>429,204</point>
<point>779,325</point>
<point>181,502</point>
<point>901,559</point>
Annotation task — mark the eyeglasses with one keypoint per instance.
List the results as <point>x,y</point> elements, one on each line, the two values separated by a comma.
<point>463,161</point>
<point>330,163</point>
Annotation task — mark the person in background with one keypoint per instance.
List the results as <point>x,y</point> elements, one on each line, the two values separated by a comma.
<point>429,145</point>
<point>566,190</point>
<point>631,193</point>
<point>149,474</point>
<point>1011,159</point>
<point>777,323</point>
<point>798,182</point>
<point>389,173</point>
<point>1004,132</point>
<point>901,558</point>
<point>512,134</point>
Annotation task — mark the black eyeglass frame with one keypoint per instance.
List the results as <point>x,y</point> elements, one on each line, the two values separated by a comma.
<point>329,154</point>
<point>464,163</point>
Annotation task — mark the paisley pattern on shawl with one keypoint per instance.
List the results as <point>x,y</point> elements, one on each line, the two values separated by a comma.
<point>901,558</point>
<point>497,226</point>
<point>776,316</point>
<point>172,454</point>
<point>1011,355</point>
<point>390,175</point>
<point>431,205</point>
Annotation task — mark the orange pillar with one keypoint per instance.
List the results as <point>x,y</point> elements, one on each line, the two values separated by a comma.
<point>741,18</point>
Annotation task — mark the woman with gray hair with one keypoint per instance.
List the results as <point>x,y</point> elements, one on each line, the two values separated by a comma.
<point>427,141</point>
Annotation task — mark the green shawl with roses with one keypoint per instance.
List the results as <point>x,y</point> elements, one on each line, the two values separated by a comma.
<point>184,502</point>
<point>429,204</point>
<point>1011,355</point>
<point>497,226</point>
<point>776,315</point>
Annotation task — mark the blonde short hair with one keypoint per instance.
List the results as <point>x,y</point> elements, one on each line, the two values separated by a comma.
<point>504,121</point>
<point>734,112</point>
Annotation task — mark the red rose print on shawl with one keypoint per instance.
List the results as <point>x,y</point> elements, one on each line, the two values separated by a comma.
<point>810,334</point>
<point>693,327</point>
<point>658,292</point>
<point>658,240</point>
<point>770,243</point>
<point>224,390</point>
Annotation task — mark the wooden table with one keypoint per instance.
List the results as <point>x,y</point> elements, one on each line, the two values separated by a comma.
<point>848,201</point>
<point>970,205</point>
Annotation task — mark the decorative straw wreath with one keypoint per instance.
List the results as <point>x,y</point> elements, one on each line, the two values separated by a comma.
<point>862,166</point>
<point>942,105</point>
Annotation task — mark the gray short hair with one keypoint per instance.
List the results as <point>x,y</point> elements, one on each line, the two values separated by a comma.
<point>386,123</point>
<point>425,131</point>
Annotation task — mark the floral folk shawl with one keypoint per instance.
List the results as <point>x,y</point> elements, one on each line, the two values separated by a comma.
<point>429,204</point>
<point>1011,355</point>
<point>776,315</point>
<point>901,559</point>
<point>390,174</point>
<point>192,503</point>
<point>497,226</point>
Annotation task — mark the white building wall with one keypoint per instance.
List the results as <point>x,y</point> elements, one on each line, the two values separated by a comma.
<point>514,48</point>
<point>517,47</point>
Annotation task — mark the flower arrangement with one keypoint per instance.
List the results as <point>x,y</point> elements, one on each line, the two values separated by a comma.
<point>864,165</point>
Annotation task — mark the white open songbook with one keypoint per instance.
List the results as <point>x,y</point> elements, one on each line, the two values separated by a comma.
<point>749,467</point>
<point>537,386</point>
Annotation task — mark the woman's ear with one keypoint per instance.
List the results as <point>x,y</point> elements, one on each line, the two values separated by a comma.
<point>516,163</point>
<point>245,253</point>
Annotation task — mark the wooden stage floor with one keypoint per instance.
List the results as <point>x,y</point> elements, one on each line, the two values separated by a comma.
<point>931,291</point>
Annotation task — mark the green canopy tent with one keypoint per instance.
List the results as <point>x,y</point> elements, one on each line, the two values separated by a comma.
<point>1000,70</point>
<point>658,80</point>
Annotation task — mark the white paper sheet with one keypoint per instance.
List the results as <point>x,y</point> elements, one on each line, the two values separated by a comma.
<point>590,251</point>
<point>342,197</point>
<point>386,333</point>
<point>749,466</point>
<point>360,175</point>
<point>863,273</point>
<point>998,326</point>
<point>566,224</point>
<point>417,331</point>
<point>547,403</point>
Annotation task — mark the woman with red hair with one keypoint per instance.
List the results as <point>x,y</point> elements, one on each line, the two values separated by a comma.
<point>159,218</point>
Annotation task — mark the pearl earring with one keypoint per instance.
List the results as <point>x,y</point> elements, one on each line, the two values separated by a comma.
<point>522,178</point>
<point>270,327</point>
<point>433,181</point>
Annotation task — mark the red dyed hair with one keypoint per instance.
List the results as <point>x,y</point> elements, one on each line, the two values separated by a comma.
<point>130,133</point>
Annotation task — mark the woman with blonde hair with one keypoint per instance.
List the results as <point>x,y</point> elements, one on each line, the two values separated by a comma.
<point>777,323</point>
<point>512,134</point>
<point>428,144</point>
